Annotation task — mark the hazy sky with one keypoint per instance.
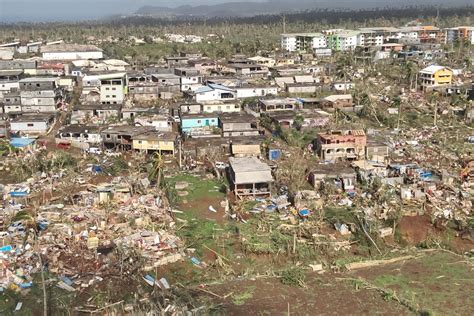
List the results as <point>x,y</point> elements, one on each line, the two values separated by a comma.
<point>61,10</point>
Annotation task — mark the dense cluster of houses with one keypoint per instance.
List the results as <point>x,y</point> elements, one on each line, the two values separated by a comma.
<point>205,106</point>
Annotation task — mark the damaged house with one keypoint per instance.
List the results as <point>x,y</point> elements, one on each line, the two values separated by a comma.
<point>341,145</point>
<point>343,176</point>
<point>250,177</point>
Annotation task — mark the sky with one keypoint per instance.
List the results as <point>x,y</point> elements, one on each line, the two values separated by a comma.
<point>74,10</point>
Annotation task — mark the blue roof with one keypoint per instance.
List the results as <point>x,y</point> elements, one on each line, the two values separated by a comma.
<point>21,142</point>
<point>204,89</point>
<point>212,86</point>
<point>220,87</point>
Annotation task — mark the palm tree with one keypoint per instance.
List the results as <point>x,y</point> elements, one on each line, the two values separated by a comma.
<point>156,171</point>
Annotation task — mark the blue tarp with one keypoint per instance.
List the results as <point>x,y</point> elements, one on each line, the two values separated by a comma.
<point>6,248</point>
<point>97,169</point>
<point>18,193</point>
<point>304,212</point>
<point>20,142</point>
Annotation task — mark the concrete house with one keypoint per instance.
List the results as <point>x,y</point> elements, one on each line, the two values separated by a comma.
<point>220,107</point>
<point>341,145</point>
<point>190,78</point>
<point>198,123</point>
<point>338,101</point>
<point>99,112</point>
<point>214,92</point>
<point>27,66</point>
<point>9,81</point>
<point>190,108</point>
<point>249,177</point>
<point>238,125</point>
<point>284,104</point>
<point>434,76</point>
<point>38,84</point>
<point>141,88</point>
<point>122,136</point>
<point>39,94</point>
<point>252,91</point>
<point>32,124</point>
<point>160,122</point>
<point>301,88</point>
<point>80,136</point>
<point>376,151</point>
<point>249,70</point>
<point>174,61</point>
<point>113,88</point>
<point>154,141</point>
<point>342,176</point>
<point>12,102</point>
<point>39,101</point>
<point>246,146</point>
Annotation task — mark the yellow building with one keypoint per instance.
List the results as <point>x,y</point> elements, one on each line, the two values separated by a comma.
<point>433,76</point>
<point>155,141</point>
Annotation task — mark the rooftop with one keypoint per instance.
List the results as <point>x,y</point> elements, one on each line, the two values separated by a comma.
<point>38,79</point>
<point>67,48</point>
<point>248,164</point>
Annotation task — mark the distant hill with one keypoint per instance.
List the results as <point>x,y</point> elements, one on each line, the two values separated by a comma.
<point>248,9</point>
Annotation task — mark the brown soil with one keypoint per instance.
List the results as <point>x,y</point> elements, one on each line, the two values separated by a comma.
<point>415,229</point>
<point>324,295</point>
<point>200,208</point>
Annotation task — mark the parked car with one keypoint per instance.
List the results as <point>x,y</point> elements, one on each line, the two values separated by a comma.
<point>94,150</point>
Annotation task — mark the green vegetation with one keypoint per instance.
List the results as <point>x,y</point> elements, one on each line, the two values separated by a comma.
<point>241,298</point>
<point>293,276</point>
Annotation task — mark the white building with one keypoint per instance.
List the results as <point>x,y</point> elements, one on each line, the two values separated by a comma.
<point>32,124</point>
<point>112,88</point>
<point>71,52</point>
<point>255,91</point>
<point>302,41</point>
<point>214,92</point>
<point>220,107</point>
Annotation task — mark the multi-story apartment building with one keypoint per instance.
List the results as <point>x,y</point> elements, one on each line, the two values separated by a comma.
<point>342,40</point>
<point>302,41</point>
<point>375,36</point>
<point>455,34</point>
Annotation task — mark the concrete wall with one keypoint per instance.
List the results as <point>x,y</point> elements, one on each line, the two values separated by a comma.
<point>72,55</point>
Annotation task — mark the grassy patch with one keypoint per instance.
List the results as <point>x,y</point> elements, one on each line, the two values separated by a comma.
<point>440,283</point>
<point>241,298</point>
<point>198,187</point>
<point>293,276</point>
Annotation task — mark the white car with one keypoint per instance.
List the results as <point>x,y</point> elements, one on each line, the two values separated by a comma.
<point>94,150</point>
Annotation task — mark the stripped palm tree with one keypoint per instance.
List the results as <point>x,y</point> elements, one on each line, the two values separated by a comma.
<point>156,171</point>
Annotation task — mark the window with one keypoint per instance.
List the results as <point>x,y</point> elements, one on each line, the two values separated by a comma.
<point>30,124</point>
<point>139,141</point>
<point>199,121</point>
<point>107,88</point>
<point>107,136</point>
<point>114,88</point>
<point>114,96</point>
